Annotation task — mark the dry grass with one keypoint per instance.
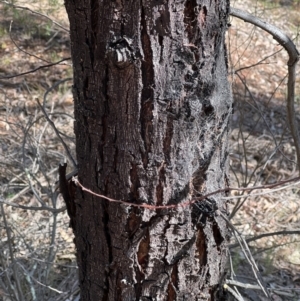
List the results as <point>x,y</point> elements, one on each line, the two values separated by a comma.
<point>36,246</point>
<point>37,259</point>
<point>262,151</point>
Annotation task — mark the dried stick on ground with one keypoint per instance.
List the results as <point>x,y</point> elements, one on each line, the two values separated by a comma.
<point>248,255</point>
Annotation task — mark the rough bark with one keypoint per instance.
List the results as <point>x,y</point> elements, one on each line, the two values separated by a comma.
<point>152,104</point>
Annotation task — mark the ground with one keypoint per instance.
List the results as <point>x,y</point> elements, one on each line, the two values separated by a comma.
<point>37,245</point>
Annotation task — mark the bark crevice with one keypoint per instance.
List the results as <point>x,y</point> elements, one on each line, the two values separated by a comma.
<point>147,95</point>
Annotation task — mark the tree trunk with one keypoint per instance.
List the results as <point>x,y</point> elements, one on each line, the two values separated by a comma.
<point>152,106</point>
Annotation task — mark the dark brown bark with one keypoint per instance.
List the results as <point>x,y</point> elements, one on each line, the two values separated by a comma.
<point>152,104</point>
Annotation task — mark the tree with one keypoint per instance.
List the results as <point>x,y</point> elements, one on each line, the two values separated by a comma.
<point>152,105</point>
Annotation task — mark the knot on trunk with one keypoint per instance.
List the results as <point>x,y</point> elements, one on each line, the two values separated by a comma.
<point>121,53</point>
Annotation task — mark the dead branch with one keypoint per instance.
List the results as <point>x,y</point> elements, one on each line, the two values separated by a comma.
<point>19,292</point>
<point>36,13</point>
<point>293,53</point>
<point>288,232</point>
<point>231,291</point>
<point>248,255</point>
<point>33,208</point>
<point>36,69</point>
<point>68,152</point>
<point>22,50</point>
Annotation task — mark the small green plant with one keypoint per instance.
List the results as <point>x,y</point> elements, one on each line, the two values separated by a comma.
<point>3,31</point>
<point>268,261</point>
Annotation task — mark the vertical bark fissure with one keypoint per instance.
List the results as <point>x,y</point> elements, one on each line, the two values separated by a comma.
<point>172,286</point>
<point>201,248</point>
<point>135,183</point>
<point>105,221</point>
<point>143,252</point>
<point>104,118</point>
<point>160,185</point>
<point>147,95</point>
<point>167,142</point>
<point>190,19</point>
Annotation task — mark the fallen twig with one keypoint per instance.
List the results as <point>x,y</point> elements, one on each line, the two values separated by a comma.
<point>245,249</point>
<point>231,291</point>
